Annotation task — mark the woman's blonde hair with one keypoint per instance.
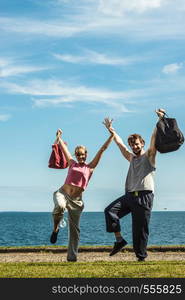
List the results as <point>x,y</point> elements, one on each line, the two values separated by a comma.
<point>80,147</point>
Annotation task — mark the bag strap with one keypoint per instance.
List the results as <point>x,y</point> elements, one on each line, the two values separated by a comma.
<point>165,115</point>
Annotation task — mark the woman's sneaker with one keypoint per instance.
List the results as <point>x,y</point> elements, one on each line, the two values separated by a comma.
<point>53,237</point>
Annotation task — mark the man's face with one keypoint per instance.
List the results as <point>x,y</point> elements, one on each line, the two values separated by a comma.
<point>136,146</point>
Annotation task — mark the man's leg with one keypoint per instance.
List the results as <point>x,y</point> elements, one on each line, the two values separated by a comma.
<point>58,213</point>
<point>141,213</point>
<point>113,213</point>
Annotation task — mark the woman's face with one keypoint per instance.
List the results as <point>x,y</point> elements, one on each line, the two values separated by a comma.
<point>81,155</point>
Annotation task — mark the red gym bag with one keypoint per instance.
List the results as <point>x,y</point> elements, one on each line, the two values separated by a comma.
<point>57,158</point>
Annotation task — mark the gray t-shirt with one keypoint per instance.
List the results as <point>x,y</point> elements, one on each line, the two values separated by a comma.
<point>140,175</point>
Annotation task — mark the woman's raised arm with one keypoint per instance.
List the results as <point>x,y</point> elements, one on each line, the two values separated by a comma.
<point>63,146</point>
<point>98,155</point>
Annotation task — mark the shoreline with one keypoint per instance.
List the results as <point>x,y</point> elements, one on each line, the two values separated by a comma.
<point>86,248</point>
<point>58,254</point>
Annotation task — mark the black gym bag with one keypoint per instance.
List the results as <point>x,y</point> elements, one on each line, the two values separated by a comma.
<point>168,137</point>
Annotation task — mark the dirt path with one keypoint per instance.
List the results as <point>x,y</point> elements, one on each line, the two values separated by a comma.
<point>84,256</point>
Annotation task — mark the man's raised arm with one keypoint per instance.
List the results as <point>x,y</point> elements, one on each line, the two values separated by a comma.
<point>118,140</point>
<point>152,151</point>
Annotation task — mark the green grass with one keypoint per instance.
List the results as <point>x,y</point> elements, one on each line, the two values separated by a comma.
<point>101,269</point>
<point>97,269</point>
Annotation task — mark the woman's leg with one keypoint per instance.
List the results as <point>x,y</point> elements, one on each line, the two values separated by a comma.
<point>74,208</point>
<point>58,212</point>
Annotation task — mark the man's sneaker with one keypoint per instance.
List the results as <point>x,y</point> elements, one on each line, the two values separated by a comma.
<point>141,259</point>
<point>53,237</point>
<point>117,247</point>
<point>71,260</point>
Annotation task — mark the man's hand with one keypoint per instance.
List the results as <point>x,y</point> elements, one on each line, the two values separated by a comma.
<point>108,124</point>
<point>160,112</point>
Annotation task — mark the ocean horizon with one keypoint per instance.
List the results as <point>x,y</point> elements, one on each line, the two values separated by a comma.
<point>26,228</point>
<point>94,211</point>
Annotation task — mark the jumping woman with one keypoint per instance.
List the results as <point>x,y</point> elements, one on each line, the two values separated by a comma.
<point>69,195</point>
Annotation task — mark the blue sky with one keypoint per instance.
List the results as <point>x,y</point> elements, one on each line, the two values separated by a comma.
<point>69,64</point>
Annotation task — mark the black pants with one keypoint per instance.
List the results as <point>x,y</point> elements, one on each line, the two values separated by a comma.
<point>140,207</point>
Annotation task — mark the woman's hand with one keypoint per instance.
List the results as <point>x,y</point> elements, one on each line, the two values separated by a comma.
<point>59,133</point>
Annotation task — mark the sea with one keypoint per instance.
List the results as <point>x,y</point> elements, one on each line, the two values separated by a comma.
<point>34,229</point>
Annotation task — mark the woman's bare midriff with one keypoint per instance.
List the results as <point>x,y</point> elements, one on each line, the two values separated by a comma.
<point>72,191</point>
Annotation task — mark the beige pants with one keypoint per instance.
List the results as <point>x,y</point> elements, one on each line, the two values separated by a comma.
<point>74,207</point>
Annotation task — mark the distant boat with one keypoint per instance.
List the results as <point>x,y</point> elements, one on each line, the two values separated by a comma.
<point>165,208</point>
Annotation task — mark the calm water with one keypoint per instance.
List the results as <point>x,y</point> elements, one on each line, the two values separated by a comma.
<point>29,229</point>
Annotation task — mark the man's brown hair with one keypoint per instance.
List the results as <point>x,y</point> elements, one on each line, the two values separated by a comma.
<point>133,137</point>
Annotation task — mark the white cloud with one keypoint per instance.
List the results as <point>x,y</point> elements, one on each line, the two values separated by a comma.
<point>4,117</point>
<point>68,102</point>
<point>118,7</point>
<point>93,57</point>
<point>4,62</point>
<point>48,93</point>
<point>17,70</point>
<point>60,93</point>
<point>137,19</point>
<point>172,68</point>
<point>57,88</point>
<point>70,58</point>
<point>46,102</point>
<point>9,68</point>
<point>37,27</point>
